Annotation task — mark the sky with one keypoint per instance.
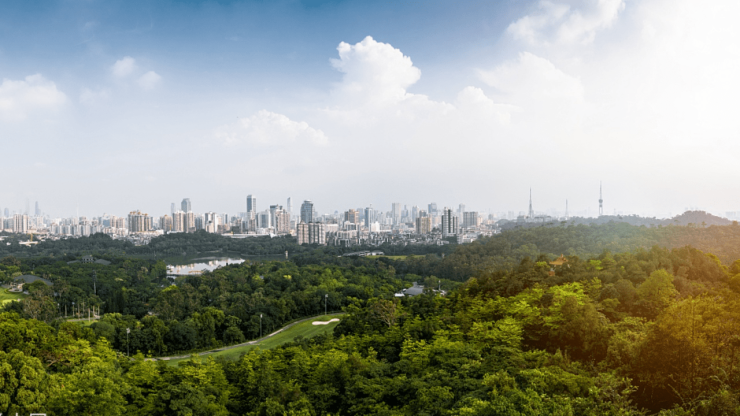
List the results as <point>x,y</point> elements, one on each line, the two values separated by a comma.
<point>113,106</point>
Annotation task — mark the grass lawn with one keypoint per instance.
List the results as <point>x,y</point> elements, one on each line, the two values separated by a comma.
<point>305,329</point>
<point>391,257</point>
<point>6,296</point>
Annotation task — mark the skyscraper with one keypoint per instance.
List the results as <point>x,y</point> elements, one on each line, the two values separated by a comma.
<point>251,204</point>
<point>432,209</point>
<point>37,210</point>
<point>307,212</point>
<point>352,216</point>
<point>289,206</point>
<point>369,216</point>
<point>449,223</point>
<point>186,205</point>
<point>396,212</point>
<point>172,209</point>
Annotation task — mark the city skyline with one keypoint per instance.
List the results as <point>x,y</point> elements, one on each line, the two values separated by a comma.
<point>119,105</point>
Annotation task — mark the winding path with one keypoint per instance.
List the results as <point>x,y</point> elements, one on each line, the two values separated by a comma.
<point>253,342</point>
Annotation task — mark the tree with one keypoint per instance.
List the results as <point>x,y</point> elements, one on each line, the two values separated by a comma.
<point>656,293</point>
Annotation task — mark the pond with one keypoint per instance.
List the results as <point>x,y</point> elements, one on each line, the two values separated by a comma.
<point>198,266</point>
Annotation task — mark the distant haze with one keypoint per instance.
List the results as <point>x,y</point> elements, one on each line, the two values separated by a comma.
<point>114,106</point>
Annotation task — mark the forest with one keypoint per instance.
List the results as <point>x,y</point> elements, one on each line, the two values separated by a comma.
<point>633,328</point>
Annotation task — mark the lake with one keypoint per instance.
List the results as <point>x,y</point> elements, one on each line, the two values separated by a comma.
<point>198,266</point>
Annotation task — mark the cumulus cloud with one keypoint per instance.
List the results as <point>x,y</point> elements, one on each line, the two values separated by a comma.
<point>149,80</point>
<point>268,129</point>
<point>124,67</point>
<point>374,72</point>
<point>566,22</point>
<point>35,93</point>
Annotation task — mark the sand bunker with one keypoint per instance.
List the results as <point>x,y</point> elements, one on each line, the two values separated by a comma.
<point>325,322</point>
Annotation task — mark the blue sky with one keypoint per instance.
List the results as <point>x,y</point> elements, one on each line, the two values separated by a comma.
<point>114,106</point>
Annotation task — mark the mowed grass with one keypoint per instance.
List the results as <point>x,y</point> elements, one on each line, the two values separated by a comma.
<point>305,329</point>
<point>6,296</point>
<point>391,257</point>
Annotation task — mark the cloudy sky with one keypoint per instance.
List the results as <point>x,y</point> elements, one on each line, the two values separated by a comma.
<point>112,106</point>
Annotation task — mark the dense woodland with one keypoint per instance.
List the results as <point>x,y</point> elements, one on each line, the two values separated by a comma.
<point>637,327</point>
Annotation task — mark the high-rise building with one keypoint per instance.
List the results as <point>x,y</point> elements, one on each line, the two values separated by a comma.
<point>139,222</point>
<point>396,212</point>
<point>470,219</point>
<point>178,222</point>
<point>172,209</point>
<point>186,205</point>
<point>369,216</point>
<point>461,209</point>
<point>37,211</point>
<point>7,213</point>
<point>432,209</point>
<point>189,222</point>
<point>423,223</point>
<point>307,212</point>
<point>301,233</point>
<point>312,233</point>
<point>352,216</point>
<point>20,223</point>
<point>414,213</point>
<point>251,204</point>
<point>165,223</point>
<point>289,206</point>
<point>449,223</point>
<point>282,221</point>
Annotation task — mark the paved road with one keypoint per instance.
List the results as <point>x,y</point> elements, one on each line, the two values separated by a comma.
<point>253,342</point>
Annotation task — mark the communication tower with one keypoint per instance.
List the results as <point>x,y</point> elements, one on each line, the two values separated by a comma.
<point>531,211</point>
<point>601,202</point>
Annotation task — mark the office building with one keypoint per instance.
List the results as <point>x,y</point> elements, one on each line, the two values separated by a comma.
<point>449,223</point>
<point>172,208</point>
<point>352,216</point>
<point>37,210</point>
<point>251,204</point>
<point>289,206</point>
<point>369,216</point>
<point>432,209</point>
<point>185,205</point>
<point>396,213</point>
<point>307,213</point>
<point>139,222</point>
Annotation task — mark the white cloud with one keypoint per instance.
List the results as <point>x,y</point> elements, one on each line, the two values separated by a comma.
<point>92,97</point>
<point>374,72</point>
<point>35,93</point>
<point>566,22</point>
<point>149,80</point>
<point>124,67</point>
<point>267,129</point>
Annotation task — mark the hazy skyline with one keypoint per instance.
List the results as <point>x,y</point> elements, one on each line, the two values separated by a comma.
<point>116,106</point>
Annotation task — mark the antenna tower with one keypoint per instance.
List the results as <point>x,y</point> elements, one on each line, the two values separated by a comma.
<point>531,211</point>
<point>601,202</point>
<point>566,209</point>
